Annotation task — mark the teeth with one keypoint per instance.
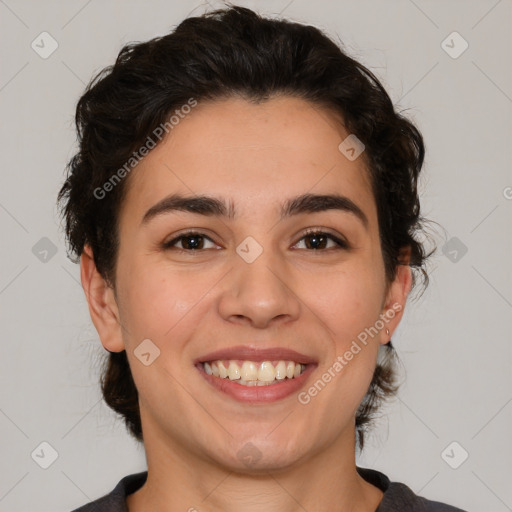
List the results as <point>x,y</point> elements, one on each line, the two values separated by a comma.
<point>267,373</point>
<point>233,371</point>
<point>223,372</point>
<point>290,369</point>
<point>250,373</point>
<point>281,370</point>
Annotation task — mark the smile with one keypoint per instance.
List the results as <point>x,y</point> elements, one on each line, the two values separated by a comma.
<point>256,375</point>
<point>251,373</point>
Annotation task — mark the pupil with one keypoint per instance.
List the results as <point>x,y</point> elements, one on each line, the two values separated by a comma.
<point>195,241</point>
<point>317,239</point>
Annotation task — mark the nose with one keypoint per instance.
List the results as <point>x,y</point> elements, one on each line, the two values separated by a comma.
<point>259,293</point>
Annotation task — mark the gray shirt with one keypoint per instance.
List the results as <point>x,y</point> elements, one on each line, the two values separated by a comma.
<point>397,496</point>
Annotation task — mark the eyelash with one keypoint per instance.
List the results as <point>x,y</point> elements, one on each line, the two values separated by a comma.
<point>342,244</point>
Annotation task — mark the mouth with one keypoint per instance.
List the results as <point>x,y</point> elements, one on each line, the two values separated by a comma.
<point>256,375</point>
<point>251,373</point>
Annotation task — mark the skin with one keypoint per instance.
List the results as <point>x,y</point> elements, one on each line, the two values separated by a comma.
<point>291,296</point>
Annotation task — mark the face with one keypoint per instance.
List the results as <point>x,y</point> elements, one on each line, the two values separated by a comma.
<point>269,277</point>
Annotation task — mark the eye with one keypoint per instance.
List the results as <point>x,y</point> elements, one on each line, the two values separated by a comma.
<point>319,239</point>
<point>190,241</point>
<point>315,238</point>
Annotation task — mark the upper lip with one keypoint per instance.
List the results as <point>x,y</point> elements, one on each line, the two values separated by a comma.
<point>255,354</point>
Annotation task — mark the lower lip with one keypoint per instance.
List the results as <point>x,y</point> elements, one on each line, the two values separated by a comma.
<point>258,394</point>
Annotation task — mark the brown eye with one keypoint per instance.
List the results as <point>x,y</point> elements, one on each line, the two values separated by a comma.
<point>318,240</point>
<point>191,241</point>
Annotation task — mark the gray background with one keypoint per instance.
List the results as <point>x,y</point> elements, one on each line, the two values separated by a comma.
<point>455,341</point>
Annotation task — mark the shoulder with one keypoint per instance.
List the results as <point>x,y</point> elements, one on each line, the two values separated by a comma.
<point>115,501</point>
<point>398,496</point>
<point>401,497</point>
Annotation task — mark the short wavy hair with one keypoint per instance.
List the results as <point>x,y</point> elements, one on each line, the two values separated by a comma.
<point>234,52</point>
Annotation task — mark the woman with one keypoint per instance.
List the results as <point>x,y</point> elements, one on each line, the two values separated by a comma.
<point>244,206</point>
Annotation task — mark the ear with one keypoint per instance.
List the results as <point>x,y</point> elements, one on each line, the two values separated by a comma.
<point>102,303</point>
<point>396,295</point>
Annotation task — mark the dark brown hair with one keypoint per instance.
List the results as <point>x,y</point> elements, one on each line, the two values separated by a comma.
<point>221,54</point>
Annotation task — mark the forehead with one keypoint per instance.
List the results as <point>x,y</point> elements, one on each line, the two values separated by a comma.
<point>255,154</point>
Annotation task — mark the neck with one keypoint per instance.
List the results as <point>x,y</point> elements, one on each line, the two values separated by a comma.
<point>179,481</point>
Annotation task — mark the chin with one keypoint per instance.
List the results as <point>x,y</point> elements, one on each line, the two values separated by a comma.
<point>261,455</point>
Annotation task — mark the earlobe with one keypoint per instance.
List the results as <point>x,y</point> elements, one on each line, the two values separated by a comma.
<point>102,303</point>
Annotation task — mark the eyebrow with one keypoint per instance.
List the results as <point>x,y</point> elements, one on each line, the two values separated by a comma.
<point>212,206</point>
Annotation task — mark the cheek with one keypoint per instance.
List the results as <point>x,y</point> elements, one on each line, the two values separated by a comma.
<point>156,304</point>
<point>164,309</point>
<point>348,301</point>
<point>348,310</point>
